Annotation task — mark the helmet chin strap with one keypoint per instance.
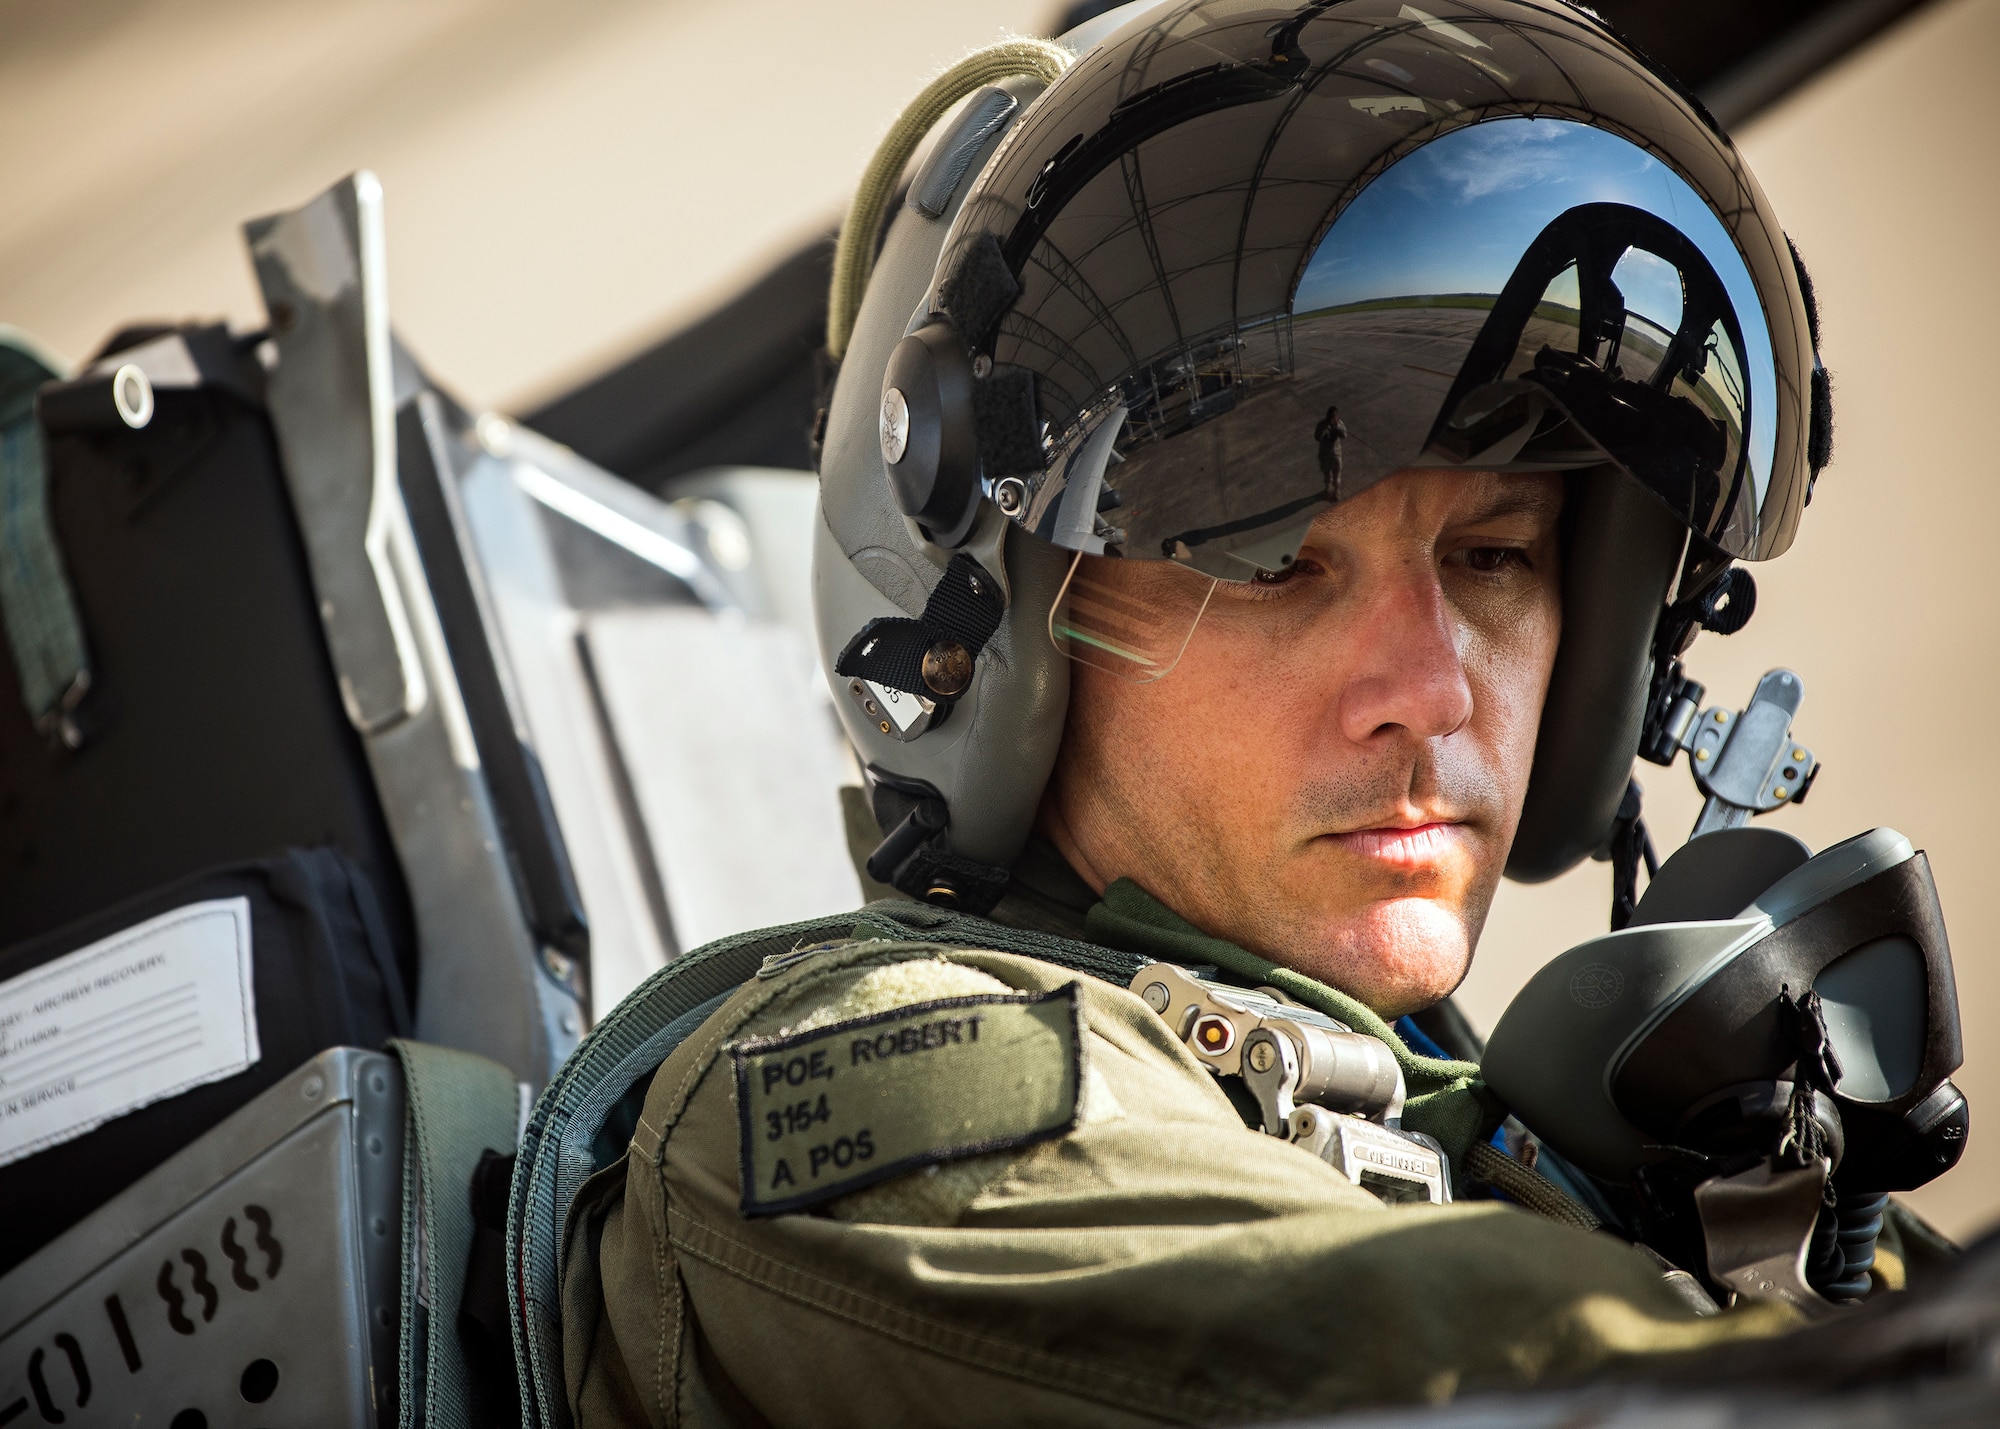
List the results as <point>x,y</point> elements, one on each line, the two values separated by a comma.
<point>1629,843</point>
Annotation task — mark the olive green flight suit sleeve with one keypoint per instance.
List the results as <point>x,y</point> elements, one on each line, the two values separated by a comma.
<point>1158,1263</point>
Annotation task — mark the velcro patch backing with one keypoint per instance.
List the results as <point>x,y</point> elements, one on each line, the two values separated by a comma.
<point>829,1111</point>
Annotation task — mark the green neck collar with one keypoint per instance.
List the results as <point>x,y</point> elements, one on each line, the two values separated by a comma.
<point>1129,917</point>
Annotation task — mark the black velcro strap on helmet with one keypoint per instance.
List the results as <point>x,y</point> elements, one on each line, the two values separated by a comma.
<point>1819,437</point>
<point>1806,292</point>
<point>963,611</point>
<point>979,288</point>
<point>1004,423</point>
<point>975,295</point>
<point>1819,430</point>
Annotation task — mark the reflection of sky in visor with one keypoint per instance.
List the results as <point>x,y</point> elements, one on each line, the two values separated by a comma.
<point>1456,215</point>
<point>1652,287</point>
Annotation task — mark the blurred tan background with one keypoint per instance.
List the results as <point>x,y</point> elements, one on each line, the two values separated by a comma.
<point>566,183</point>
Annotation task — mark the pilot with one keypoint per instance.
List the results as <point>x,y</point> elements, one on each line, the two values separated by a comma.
<point>1177,700</point>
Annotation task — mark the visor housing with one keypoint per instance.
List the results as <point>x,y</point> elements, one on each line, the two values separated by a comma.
<point>1267,261</point>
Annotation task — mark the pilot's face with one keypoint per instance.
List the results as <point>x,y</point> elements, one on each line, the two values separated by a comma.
<point>1333,773</point>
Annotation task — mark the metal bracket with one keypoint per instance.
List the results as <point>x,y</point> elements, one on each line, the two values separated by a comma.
<point>1319,1084</point>
<point>1395,1165</point>
<point>333,402</point>
<point>334,393</point>
<point>1749,763</point>
<point>899,715</point>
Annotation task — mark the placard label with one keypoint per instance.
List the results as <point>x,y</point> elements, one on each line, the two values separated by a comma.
<point>129,1020</point>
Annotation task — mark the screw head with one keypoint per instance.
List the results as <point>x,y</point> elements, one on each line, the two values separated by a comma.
<point>1261,1056</point>
<point>1011,495</point>
<point>1157,996</point>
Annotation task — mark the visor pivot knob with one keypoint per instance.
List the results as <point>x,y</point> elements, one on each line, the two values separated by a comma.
<point>895,426</point>
<point>947,669</point>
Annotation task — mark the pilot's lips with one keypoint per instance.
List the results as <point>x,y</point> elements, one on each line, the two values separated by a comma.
<point>1405,848</point>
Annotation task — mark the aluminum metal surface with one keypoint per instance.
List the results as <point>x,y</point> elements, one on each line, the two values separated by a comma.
<point>252,1277</point>
<point>334,392</point>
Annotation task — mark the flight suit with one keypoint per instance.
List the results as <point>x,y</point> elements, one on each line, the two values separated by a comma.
<point>1076,1226</point>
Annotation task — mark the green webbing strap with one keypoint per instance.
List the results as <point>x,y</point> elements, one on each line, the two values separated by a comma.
<point>43,628</point>
<point>459,1106</point>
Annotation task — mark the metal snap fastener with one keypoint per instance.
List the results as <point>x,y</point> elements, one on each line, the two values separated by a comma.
<point>948,668</point>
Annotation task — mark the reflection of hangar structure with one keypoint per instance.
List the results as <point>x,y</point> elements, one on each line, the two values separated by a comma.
<point>739,386</point>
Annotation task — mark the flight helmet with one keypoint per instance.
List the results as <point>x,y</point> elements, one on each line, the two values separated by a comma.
<point>1238,263</point>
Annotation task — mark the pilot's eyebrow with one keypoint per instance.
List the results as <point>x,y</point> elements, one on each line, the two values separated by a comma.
<point>1516,498</point>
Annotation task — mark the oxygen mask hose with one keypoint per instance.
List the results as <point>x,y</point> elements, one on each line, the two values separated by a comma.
<point>1843,1238</point>
<point>854,255</point>
<point>1860,1224</point>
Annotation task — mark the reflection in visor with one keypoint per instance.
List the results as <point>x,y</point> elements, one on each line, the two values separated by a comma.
<point>1132,619</point>
<point>1565,368</point>
<point>1516,294</point>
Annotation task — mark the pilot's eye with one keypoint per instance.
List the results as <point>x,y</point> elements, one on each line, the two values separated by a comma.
<point>1494,558</point>
<point>1299,566</point>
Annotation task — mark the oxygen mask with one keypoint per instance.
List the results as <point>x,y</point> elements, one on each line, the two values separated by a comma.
<point>1758,1058</point>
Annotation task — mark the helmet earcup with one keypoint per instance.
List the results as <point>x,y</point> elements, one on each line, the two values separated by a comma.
<point>1623,550</point>
<point>927,436</point>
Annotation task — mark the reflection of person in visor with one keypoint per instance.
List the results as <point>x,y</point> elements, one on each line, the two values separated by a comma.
<point>1209,706</point>
<point>1329,433</point>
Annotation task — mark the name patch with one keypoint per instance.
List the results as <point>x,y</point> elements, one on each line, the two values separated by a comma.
<point>829,1111</point>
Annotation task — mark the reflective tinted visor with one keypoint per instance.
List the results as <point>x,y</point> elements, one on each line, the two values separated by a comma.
<point>1517,294</point>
